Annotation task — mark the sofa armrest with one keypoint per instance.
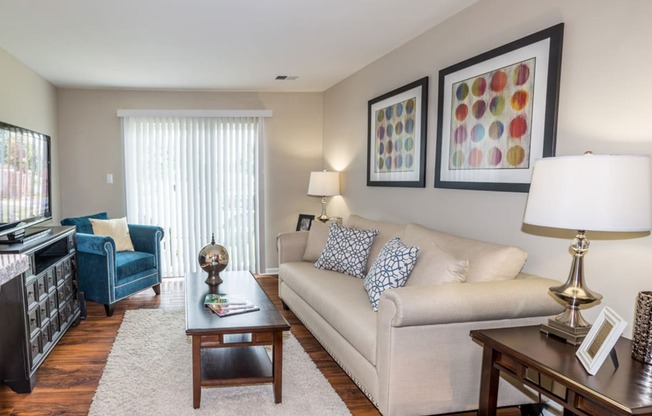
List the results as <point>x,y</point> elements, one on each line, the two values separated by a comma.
<point>291,246</point>
<point>468,302</point>
<point>95,244</point>
<point>146,238</point>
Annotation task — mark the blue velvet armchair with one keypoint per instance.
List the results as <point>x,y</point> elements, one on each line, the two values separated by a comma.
<point>107,275</point>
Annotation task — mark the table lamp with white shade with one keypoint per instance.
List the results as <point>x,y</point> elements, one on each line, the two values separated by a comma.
<point>609,193</point>
<point>324,184</point>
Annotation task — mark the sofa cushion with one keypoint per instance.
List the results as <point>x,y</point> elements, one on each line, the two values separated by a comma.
<point>317,237</point>
<point>83,224</point>
<point>340,299</point>
<point>346,250</point>
<point>487,261</point>
<point>390,270</point>
<point>386,231</point>
<point>117,229</point>
<point>435,266</point>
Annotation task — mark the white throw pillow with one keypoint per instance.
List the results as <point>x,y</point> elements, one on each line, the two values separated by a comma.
<point>390,270</point>
<point>435,266</point>
<point>346,250</point>
<point>317,237</point>
<point>487,261</point>
<point>117,229</point>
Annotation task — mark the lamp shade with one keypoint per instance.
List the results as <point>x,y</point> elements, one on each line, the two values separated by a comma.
<point>591,192</point>
<point>324,184</point>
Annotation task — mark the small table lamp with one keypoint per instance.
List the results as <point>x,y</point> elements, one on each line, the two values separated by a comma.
<point>323,184</point>
<point>590,192</point>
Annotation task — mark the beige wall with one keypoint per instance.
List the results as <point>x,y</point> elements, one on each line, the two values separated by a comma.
<point>604,107</point>
<point>27,100</point>
<point>91,147</point>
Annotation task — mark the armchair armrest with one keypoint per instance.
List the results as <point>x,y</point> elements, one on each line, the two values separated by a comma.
<point>95,244</point>
<point>468,302</point>
<point>146,238</point>
<point>291,246</point>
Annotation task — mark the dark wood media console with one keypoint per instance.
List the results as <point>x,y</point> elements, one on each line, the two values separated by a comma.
<point>37,307</point>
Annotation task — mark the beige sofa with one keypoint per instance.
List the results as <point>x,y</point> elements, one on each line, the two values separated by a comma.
<point>414,356</point>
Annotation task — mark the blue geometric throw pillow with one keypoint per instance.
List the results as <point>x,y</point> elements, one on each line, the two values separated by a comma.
<point>346,250</point>
<point>391,269</point>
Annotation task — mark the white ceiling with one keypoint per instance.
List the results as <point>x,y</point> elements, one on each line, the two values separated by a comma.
<point>236,45</point>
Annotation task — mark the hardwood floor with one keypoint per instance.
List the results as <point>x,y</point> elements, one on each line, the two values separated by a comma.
<point>66,381</point>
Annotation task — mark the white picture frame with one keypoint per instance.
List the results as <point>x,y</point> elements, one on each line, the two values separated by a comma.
<point>600,340</point>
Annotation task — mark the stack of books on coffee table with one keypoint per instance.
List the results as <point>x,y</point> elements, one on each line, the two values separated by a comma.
<point>226,305</point>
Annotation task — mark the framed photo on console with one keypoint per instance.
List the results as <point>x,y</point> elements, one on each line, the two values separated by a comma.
<point>497,114</point>
<point>396,149</point>
<point>600,340</point>
<point>305,222</point>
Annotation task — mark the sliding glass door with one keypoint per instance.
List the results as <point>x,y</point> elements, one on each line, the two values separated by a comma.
<point>195,177</point>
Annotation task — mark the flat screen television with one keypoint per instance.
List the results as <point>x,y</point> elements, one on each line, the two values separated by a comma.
<point>25,191</point>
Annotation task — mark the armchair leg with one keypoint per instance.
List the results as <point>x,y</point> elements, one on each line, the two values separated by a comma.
<point>157,289</point>
<point>109,309</point>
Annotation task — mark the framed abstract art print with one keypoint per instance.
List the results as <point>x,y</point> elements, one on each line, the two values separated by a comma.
<point>497,114</point>
<point>396,149</point>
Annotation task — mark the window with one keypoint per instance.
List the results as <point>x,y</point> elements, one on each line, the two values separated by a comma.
<point>195,176</point>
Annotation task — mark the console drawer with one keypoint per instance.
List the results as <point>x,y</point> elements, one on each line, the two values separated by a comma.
<point>31,291</point>
<point>33,319</point>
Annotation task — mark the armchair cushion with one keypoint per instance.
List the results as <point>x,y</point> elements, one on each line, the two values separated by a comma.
<point>116,229</point>
<point>129,263</point>
<point>83,224</point>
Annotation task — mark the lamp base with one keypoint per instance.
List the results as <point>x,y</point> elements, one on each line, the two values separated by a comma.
<point>572,336</point>
<point>323,217</point>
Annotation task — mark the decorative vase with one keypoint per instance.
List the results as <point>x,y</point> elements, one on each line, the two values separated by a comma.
<point>213,258</point>
<point>642,340</point>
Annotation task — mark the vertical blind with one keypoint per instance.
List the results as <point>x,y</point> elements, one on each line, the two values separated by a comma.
<point>196,176</point>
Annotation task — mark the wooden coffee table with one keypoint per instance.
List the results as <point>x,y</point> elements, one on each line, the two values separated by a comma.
<point>230,351</point>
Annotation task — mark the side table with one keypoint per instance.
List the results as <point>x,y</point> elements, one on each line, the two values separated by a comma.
<point>550,367</point>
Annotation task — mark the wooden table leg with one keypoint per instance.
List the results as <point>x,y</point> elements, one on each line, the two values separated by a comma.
<point>489,379</point>
<point>277,369</point>
<point>196,371</point>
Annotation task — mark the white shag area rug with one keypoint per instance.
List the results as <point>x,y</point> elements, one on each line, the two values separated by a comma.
<point>149,372</point>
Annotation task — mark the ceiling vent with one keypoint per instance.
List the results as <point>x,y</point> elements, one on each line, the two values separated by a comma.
<point>286,77</point>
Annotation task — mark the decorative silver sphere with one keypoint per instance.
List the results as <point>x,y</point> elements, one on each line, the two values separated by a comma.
<point>213,258</point>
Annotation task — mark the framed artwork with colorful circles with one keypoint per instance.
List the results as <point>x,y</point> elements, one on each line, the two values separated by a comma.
<point>396,150</point>
<point>497,114</point>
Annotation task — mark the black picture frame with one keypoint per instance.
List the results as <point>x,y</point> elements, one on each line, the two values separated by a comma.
<point>396,137</point>
<point>492,154</point>
<point>305,222</point>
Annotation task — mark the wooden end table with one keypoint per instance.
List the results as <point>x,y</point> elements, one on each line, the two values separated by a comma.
<point>230,351</point>
<point>550,367</point>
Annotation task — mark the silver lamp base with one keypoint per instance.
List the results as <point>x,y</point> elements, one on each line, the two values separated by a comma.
<point>572,336</point>
<point>323,217</point>
<point>570,325</point>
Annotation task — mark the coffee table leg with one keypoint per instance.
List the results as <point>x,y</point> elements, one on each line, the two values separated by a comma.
<point>277,351</point>
<point>196,371</point>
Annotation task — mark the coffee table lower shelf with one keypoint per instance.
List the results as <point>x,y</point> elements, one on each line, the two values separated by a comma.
<point>235,366</point>
<point>236,360</point>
